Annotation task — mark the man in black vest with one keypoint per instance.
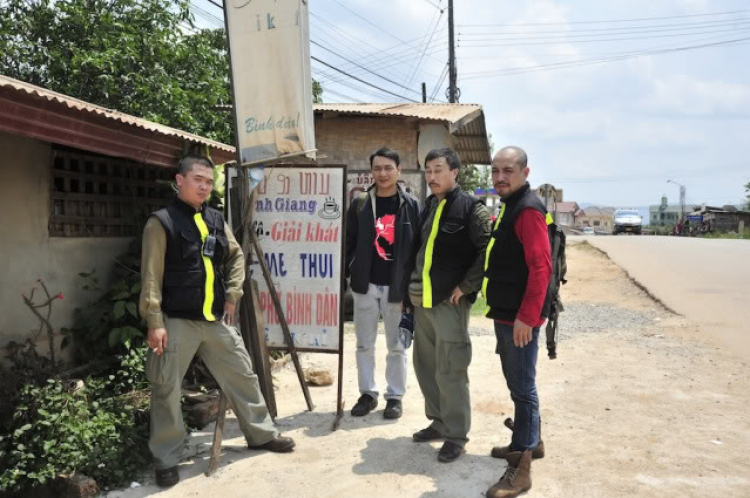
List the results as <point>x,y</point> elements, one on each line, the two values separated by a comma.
<point>519,266</point>
<point>445,275</point>
<point>380,229</point>
<point>192,270</point>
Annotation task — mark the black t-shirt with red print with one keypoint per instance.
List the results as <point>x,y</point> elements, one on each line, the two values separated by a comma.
<point>385,239</point>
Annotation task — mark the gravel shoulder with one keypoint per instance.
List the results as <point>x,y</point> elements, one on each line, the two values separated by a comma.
<point>638,403</point>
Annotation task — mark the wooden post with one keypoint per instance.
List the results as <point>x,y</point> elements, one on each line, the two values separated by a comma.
<point>253,314</point>
<point>213,463</point>
<point>282,320</point>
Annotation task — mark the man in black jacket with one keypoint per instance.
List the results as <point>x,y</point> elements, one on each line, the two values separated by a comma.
<point>380,227</point>
<point>445,274</point>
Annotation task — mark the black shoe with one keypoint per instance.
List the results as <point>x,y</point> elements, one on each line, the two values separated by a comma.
<point>166,478</point>
<point>393,409</point>
<point>449,452</point>
<point>279,444</point>
<point>428,434</point>
<point>365,404</point>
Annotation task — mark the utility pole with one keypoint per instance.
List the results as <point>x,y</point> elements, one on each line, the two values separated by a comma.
<point>682,198</point>
<point>453,92</point>
<point>424,93</point>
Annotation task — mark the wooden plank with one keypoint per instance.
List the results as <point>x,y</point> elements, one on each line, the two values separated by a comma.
<point>213,463</point>
<point>282,321</point>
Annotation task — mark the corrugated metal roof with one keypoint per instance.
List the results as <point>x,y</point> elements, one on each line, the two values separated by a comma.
<point>465,122</point>
<point>452,113</point>
<point>80,105</point>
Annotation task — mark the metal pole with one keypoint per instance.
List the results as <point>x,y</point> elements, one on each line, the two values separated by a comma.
<point>424,93</point>
<point>452,74</point>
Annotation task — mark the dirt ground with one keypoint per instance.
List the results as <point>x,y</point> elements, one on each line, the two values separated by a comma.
<point>650,410</point>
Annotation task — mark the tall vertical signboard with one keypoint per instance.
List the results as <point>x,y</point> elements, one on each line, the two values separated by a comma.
<point>269,44</point>
<point>299,223</point>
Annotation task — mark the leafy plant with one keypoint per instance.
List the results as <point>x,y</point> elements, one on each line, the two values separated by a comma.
<point>99,430</point>
<point>112,323</point>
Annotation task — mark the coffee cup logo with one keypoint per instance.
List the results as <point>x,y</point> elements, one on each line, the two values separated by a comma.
<point>330,210</point>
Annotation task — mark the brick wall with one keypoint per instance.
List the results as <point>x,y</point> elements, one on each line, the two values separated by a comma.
<point>351,139</point>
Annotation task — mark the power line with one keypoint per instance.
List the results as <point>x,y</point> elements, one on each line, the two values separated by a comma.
<point>602,40</point>
<point>364,68</point>
<point>610,29</point>
<point>397,61</point>
<point>527,55</point>
<point>419,63</point>
<point>362,81</point>
<point>369,22</point>
<point>352,85</point>
<point>444,74</point>
<point>334,92</point>
<point>387,54</point>
<point>562,65</point>
<point>435,5</point>
<point>643,19</point>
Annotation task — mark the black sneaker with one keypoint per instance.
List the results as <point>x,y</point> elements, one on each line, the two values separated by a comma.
<point>449,452</point>
<point>365,404</point>
<point>393,409</point>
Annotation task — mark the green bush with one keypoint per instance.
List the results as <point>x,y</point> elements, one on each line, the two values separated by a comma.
<point>112,324</point>
<point>99,430</point>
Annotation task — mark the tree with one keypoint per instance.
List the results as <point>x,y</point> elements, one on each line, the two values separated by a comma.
<point>141,57</point>
<point>477,176</point>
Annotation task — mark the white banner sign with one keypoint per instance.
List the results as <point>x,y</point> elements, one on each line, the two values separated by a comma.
<point>299,220</point>
<point>269,41</point>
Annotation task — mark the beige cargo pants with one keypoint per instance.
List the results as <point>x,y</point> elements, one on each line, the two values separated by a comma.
<point>442,354</point>
<point>224,353</point>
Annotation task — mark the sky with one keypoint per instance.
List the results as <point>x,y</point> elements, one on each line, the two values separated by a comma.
<point>609,99</point>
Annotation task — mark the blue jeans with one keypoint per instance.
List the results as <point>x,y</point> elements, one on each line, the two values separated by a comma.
<point>519,369</point>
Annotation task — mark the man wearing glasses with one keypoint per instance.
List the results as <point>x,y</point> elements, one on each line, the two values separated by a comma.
<point>380,228</point>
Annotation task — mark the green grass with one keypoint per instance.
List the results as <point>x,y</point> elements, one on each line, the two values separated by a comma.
<point>745,235</point>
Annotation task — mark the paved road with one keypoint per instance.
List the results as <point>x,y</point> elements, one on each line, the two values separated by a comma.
<point>708,281</point>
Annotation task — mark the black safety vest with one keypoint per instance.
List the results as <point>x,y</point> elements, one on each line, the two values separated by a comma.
<point>452,251</point>
<point>507,273</point>
<point>193,286</point>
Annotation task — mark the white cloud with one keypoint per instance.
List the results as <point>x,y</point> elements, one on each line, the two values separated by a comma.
<point>693,96</point>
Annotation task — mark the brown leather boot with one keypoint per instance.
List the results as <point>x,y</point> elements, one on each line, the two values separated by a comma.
<point>517,477</point>
<point>503,451</point>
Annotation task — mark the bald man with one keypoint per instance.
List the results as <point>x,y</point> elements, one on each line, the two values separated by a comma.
<point>518,270</point>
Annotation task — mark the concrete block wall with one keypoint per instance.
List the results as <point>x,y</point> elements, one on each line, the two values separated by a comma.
<point>28,251</point>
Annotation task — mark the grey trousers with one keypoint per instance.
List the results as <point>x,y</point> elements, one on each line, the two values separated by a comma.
<point>224,353</point>
<point>442,354</point>
<point>368,308</point>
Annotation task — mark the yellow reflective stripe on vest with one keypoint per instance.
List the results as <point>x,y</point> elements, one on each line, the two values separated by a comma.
<point>426,280</point>
<point>208,303</point>
<point>489,249</point>
<point>491,243</point>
